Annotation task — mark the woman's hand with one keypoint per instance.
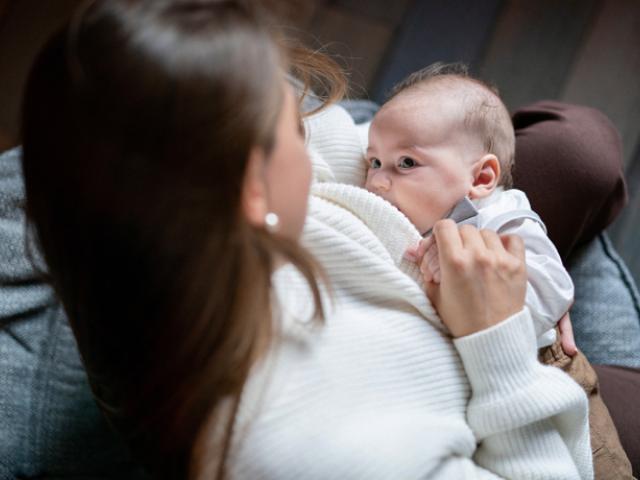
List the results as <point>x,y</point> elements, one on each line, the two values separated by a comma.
<point>482,277</point>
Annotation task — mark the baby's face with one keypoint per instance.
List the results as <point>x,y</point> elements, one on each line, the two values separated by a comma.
<point>420,157</point>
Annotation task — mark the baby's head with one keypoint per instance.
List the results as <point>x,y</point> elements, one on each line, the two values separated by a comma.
<point>441,135</point>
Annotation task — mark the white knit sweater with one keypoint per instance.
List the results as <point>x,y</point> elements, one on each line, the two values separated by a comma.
<point>379,391</point>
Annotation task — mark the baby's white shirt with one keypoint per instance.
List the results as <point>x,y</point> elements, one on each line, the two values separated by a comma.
<point>549,288</point>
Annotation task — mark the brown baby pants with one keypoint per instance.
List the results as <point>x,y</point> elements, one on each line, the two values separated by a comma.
<point>609,458</point>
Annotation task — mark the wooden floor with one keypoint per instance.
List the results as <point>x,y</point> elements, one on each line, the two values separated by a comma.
<point>581,51</point>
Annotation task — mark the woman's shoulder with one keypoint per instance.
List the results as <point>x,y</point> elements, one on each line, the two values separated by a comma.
<point>335,146</point>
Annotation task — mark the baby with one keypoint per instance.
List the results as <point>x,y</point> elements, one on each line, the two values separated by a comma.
<point>444,136</point>
<point>444,139</point>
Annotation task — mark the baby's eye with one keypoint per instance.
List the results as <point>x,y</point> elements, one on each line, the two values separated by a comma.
<point>407,162</point>
<point>375,163</point>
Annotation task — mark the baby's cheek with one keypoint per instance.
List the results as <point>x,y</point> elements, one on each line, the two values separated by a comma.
<point>453,188</point>
<point>423,218</point>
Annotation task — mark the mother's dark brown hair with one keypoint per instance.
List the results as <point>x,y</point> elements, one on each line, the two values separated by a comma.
<point>138,120</point>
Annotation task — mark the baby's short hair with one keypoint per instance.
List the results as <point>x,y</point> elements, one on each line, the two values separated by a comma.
<point>486,113</point>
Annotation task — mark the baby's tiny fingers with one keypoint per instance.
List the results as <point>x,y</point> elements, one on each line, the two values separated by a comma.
<point>424,245</point>
<point>410,254</point>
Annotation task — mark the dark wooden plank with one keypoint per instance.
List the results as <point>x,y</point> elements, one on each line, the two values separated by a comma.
<point>6,142</point>
<point>26,27</point>
<point>387,11</point>
<point>3,7</point>
<point>436,30</point>
<point>296,15</point>
<point>532,48</point>
<point>357,42</point>
<point>606,73</point>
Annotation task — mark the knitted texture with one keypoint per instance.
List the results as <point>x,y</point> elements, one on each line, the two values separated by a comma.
<point>380,390</point>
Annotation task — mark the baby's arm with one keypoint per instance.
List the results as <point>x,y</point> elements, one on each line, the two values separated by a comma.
<point>550,289</point>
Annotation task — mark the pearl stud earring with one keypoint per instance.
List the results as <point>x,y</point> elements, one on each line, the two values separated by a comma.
<point>271,222</point>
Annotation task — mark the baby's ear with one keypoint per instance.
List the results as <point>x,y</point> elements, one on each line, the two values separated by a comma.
<point>486,175</point>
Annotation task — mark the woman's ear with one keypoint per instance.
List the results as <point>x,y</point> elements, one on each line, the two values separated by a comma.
<point>254,190</point>
<point>486,174</point>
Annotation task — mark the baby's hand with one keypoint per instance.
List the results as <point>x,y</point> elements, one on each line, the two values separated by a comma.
<point>567,340</point>
<point>426,256</point>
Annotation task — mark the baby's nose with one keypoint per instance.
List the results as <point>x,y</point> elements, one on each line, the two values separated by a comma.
<point>381,182</point>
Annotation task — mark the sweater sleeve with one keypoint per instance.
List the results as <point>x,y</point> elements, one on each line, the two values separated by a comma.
<point>530,420</point>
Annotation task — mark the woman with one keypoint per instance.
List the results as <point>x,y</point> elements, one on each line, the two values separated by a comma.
<point>168,189</point>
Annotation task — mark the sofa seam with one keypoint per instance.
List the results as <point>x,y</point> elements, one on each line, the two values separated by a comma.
<point>623,271</point>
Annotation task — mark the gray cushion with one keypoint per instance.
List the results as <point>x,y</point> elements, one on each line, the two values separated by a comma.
<point>606,313</point>
<point>50,426</point>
